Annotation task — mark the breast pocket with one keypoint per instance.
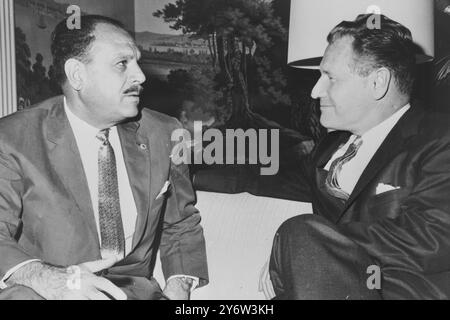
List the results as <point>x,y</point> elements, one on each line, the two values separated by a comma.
<point>388,204</point>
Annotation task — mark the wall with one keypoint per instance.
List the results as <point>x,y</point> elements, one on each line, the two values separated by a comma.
<point>38,29</point>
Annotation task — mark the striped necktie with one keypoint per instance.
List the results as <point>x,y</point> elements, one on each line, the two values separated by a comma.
<point>111,227</point>
<point>331,182</point>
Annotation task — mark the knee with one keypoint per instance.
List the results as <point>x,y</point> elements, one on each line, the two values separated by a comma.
<point>302,231</point>
<point>295,240</point>
<point>300,225</point>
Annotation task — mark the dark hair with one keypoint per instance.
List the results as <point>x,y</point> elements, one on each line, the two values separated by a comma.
<point>67,44</point>
<point>390,46</point>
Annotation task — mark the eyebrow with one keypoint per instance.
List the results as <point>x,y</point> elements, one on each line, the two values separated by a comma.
<point>124,56</point>
<point>327,72</point>
<point>127,56</point>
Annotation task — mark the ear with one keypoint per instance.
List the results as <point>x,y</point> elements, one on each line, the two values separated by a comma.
<point>75,73</point>
<point>380,81</point>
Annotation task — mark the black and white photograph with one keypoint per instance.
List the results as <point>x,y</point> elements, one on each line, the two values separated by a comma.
<point>224,150</point>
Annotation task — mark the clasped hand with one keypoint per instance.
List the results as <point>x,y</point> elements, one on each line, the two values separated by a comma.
<point>82,283</point>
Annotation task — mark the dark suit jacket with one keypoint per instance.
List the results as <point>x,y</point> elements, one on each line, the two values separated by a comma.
<point>45,206</point>
<point>407,230</point>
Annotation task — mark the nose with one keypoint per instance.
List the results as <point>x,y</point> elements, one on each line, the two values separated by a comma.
<point>320,89</point>
<point>138,75</point>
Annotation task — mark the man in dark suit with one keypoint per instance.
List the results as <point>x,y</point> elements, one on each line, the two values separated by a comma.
<point>379,182</point>
<point>88,193</point>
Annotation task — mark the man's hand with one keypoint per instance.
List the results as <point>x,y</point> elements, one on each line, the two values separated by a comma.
<point>72,283</point>
<point>178,288</point>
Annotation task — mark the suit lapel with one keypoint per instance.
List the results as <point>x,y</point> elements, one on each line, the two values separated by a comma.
<point>395,143</point>
<point>137,161</point>
<point>329,146</point>
<point>65,158</point>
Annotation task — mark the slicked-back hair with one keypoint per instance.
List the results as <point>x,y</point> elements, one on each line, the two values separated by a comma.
<point>390,46</point>
<point>68,44</point>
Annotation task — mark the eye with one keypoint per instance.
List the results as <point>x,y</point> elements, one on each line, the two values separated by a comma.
<point>122,64</point>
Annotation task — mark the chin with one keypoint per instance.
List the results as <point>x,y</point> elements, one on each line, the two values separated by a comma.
<point>329,120</point>
<point>132,113</point>
<point>127,114</point>
<point>325,121</point>
<point>329,124</point>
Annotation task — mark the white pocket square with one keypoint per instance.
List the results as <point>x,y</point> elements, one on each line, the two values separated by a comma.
<point>382,188</point>
<point>163,190</point>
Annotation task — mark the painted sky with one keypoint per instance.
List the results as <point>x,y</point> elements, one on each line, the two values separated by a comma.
<point>145,21</point>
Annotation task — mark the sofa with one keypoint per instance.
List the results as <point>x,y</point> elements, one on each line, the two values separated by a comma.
<point>239,230</point>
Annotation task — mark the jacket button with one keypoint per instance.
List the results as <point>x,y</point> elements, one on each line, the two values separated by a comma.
<point>143,146</point>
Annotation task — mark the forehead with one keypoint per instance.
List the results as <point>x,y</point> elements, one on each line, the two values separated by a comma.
<point>111,41</point>
<point>338,56</point>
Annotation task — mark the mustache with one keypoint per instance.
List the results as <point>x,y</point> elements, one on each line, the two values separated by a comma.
<point>134,89</point>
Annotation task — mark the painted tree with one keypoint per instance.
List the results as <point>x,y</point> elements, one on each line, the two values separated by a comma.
<point>33,84</point>
<point>443,43</point>
<point>441,93</point>
<point>233,29</point>
<point>23,65</point>
<point>41,87</point>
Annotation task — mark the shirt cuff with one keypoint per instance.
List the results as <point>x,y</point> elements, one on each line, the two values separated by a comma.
<point>195,280</point>
<point>10,272</point>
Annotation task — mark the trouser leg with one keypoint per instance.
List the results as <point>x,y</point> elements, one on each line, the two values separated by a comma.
<point>138,288</point>
<point>312,260</point>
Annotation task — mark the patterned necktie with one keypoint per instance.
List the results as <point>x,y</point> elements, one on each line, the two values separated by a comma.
<point>331,182</point>
<point>111,227</point>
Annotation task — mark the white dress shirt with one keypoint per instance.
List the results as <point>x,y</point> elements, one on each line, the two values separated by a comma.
<point>371,141</point>
<point>88,146</point>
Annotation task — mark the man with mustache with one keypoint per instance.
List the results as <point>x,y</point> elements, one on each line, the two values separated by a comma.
<point>88,193</point>
<point>379,182</point>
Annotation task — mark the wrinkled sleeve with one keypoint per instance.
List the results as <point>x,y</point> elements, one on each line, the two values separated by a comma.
<point>11,189</point>
<point>182,242</point>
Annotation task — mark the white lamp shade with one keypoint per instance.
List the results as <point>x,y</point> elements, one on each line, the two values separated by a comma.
<point>311,22</point>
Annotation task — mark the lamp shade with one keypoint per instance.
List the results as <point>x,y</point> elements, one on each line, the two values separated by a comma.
<point>311,22</point>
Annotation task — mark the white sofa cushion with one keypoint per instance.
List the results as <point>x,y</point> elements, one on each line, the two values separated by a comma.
<point>239,230</point>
